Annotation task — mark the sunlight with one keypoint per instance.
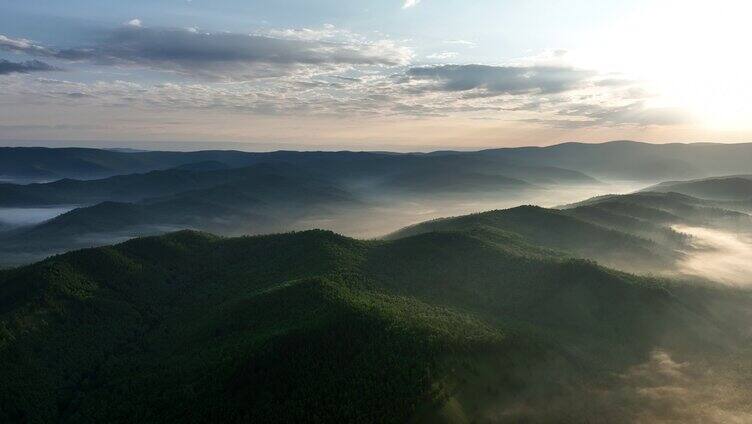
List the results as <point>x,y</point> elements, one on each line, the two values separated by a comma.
<point>690,54</point>
<point>718,255</point>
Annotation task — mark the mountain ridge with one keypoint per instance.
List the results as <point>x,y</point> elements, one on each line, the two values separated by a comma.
<point>189,326</point>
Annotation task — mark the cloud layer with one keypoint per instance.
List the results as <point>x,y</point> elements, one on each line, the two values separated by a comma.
<point>8,67</point>
<point>220,55</point>
<point>321,71</point>
<point>500,79</point>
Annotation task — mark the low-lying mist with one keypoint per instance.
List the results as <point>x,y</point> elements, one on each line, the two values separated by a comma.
<point>662,389</point>
<point>14,217</point>
<point>385,214</point>
<point>718,255</point>
<point>376,214</point>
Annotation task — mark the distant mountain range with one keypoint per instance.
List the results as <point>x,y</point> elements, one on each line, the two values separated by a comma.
<point>629,160</point>
<point>729,188</point>
<point>625,160</point>
<point>630,232</point>
<point>234,193</point>
<point>121,194</point>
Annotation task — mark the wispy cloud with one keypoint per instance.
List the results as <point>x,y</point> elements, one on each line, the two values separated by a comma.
<point>410,3</point>
<point>23,45</point>
<point>442,55</point>
<point>325,71</point>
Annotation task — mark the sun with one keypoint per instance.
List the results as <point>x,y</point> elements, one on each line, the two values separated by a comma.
<point>692,55</point>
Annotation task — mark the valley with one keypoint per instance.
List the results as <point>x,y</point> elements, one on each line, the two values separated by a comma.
<point>450,306</point>
<point>375,212</point>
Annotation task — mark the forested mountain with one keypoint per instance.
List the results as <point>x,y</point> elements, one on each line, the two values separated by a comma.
<point>226,195</point>
<point>569,161</point>
<point>315,327</point>
<point>731,188</point>
<point>426,175</point>
<point>248,200</point>
<point>629,160</point>
<point>232,192</point>
<point>632,232</point>
<point>662,209</point>
<point>557,230</point>
<point>498,316</point>
<point>46,164</point>
<point>136,187</point>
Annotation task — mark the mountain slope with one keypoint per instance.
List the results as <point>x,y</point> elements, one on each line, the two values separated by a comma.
<point>338,340</point>
<point>263,200</point>
<point>137,187</point>
<point>733,188</point>
<point>614,160</point>
<point>628,160</point>
<point>315,327</point>
<point>665,209</point>
<point>406,174</point>
<point>558,230</point>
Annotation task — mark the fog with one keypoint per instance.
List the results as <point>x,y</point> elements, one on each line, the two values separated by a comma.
<point>15,217</point>
<point>663,389</point>
<point>375,215</point>
<point>718,255</point>
<point>386,214</point>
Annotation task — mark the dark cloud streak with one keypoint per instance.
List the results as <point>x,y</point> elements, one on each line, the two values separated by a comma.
<point>8,67</point>
<point>215,55</point>
<point>500,79</point>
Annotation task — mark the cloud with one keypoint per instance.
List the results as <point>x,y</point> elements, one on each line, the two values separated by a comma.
<point>348,94</point>
<point>334,72</point>
<point>466,43</point>
<point>23,45</point>
<point>221,55</point>
<point>660,390</point>
<point>134,22</point>
<point>635,113</point>
<point>410,3</point>
<point>442,55</point>
<point>8,67</point>
<point>499,79</point>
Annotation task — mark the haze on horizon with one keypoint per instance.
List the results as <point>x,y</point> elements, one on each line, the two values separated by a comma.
<point>372,75</point>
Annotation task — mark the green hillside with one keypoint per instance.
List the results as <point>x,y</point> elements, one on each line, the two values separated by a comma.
<point>316,327</point>
<point>558,230</point>
<point>656,210</point>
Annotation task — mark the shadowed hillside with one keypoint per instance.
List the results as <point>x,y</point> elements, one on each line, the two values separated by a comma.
<point>263,200</point>
<point>665,209</point>
<point>637,161</point>
<point>558,230</point>
<point>315,327</point>
<point>623,160</point>
<point>733,188</point>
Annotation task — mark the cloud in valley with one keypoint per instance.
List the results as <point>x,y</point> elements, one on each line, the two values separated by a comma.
<point>718,255</point>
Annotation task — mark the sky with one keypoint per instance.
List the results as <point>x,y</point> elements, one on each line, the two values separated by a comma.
<point>373,74</point>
